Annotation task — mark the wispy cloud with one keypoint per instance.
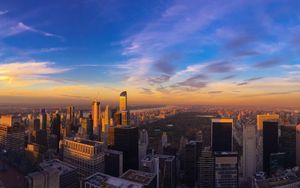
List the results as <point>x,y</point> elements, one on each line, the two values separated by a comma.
<point>146,91</point>
<point>3,12</point>
<point>21,27</point>
<point>28,73</point>
<point>267,64</point>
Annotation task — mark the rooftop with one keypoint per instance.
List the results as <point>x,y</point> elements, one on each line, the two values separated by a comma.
<point>84,141</point>
<point>144,178</point>
<point>57,165</point>
<point>106,181</point>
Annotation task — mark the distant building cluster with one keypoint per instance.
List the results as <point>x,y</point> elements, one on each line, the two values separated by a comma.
<point>109,149</point>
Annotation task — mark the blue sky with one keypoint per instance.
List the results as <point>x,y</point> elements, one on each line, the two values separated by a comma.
<point>218,51</point>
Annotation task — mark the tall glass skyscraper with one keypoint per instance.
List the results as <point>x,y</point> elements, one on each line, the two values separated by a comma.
<point>221,134</point>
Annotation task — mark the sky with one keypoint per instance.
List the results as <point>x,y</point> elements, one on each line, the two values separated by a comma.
<point>160,51</point>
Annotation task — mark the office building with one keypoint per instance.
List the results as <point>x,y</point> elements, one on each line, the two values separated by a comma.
<point>221,134</point>
<point>143,144</point>
<point>106,117</point>
<point>12,133</point>
<point>269,143</point>
<point>86,155</point>
<point>56,127</point>
<point>287,144</point>
<point>277,162</point>
<point>226,170</point>
<point>10,120</point>
<point>191,157</point>
<point>43,119</point>
<point>111,136</point>
<point>148,180</point>
<point>70,120</point>
<point>126,140</point>
<point>54,174</point>
<point>298,145</point>
<point>96,116</point>
<point>249,151</point>
<point>100,180</point>
<point>206,168</point>
<point>164,140</point>
<point>40,137</point>
<point>113,163</point>
<point>267,129</point>
<point>36,124</point>
<point>164,166</point>
<point>87,127</point>
<point>52,143</point>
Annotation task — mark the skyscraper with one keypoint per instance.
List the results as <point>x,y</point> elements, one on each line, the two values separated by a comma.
<point>96,116</point>
<point>298,145</point>
<point>55,127</point>
<point>206,168</point>
<point>221,134</point>
<point>226,169</point>
<point>12,133</point>
<point>43,119</point>
<point>126,140</point>
<point>87,126</point>
<point>143,144</point>
<point>123,101</point>
<point>113,163</point>
<point>249,151</point>
<point>191,157</point>
<point>287,144</point>
<point>70,120</point>
<point>267,132</point>
<point>125,116</point>
<point>106,117</point>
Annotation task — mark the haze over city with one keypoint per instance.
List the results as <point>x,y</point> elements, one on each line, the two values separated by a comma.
<point>161,52</point>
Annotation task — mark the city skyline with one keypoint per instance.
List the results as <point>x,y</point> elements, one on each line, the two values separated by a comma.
<point>161,52</point>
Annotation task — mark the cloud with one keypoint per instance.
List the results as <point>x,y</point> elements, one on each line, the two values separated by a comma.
<point>242,83</point>
<point>42,50</point>
<point>146,91</point>
<point>197,81</point>
<point>267,64</point>
<point>3,12</point>
<point>20,27</point>
<point>247,81</point>
<point>240,42</point>
<point>246,53</point>
<point>166,64</point>
<point>228,77</point>
<point>28,73</point>
<point>215,92</point>
<point>272,93</point>
<point>253,79</point>
<point>183,19</point>
<point>220,67</point>
<point>159,79</point>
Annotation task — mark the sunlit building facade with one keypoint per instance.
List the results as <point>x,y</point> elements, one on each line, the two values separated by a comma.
<point>86,155</point>
<point>96,116</point>
<point>267,139</point>
<point>12,133</point>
